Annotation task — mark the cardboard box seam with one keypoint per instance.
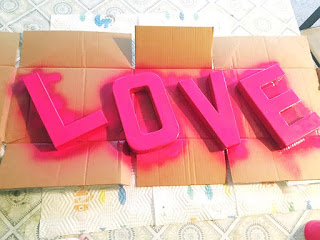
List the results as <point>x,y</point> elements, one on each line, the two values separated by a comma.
<point>267,51</point>
<point>86,168</point>
<point>189,173</point>
<point>276,167</point>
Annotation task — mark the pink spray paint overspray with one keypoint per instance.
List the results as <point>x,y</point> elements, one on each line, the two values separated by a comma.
<point>269,110</point>
<point>138,141</point>
<point>220,120</point>
<point>59,133</point>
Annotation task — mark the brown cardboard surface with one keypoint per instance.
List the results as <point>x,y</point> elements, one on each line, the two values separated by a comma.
<point>9,43</point>
<point>259,160</point>
<point>7,75</point>
<point>199,162</point>
<point>81,68</point>
<point>257,52</point>
<point>39,165</point>
<point>252,161</point>
<point>313,35</point>
<point>173,47</point>
<point>76,49</point>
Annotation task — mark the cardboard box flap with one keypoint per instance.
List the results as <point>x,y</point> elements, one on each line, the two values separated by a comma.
<point>7,76</point>
<point>259,160</point>
<point>198,162</point>
<point>39,165</point>
<point>68,49</point>
<point>258,52</point>
<point>173,47</point>
<point>9,43</point>
<point>313,35</point>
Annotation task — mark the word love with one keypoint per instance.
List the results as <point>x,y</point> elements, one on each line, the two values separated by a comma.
<point>220,120</point>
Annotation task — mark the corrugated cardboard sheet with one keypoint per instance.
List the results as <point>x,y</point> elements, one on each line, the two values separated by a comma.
<point>177,53</point>
<point>79,68</point>
<point>257,158</point>
<point>9,43</point>
<point>173,47</point>
<point>313,35</point>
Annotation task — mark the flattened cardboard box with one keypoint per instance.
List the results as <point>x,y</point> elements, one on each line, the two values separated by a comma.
<point>80,69</point>
<point>9,43</point>
<point>177,53</point>
<point>257,158</point>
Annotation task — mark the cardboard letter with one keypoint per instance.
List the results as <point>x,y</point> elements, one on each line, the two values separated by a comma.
<point>221,121</point>
<point>58,132</point>
<point>269,109</point>
<point>138,141</point>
